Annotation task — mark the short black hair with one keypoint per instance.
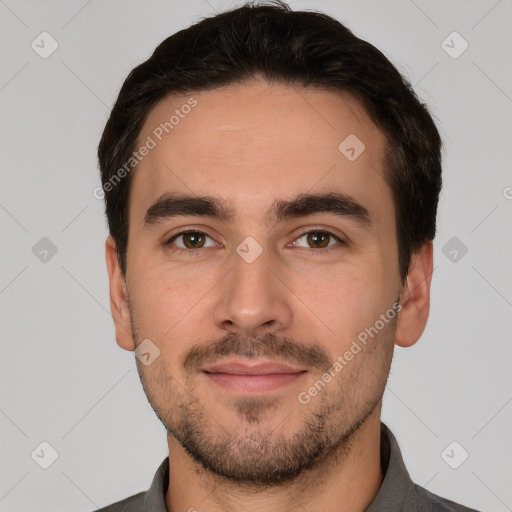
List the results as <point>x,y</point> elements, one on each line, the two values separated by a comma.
<point>268,40</point>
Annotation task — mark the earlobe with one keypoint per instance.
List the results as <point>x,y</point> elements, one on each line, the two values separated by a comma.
<point>118,298</point>
<point>413,316</point>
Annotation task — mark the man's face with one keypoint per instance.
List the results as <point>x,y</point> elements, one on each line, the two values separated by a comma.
<point>282,295</point>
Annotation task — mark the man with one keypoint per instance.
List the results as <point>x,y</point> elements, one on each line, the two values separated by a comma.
<point>271,187</point>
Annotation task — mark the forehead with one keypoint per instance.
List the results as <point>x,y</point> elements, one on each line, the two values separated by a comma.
<point>257,142</point>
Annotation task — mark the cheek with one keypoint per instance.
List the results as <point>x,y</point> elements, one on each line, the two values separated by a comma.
<point>340,302</point>
<point>161,301</point>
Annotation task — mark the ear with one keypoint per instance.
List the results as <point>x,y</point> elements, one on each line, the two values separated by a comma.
<point>413,316</point>
<point>118,295</point>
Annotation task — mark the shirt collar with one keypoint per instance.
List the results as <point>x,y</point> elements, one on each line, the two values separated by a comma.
<point>397,491</point>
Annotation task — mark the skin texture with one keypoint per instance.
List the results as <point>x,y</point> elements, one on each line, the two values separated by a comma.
<point>250,145</point>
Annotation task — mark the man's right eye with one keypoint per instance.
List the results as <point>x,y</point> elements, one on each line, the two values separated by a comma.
<point>190,240</point>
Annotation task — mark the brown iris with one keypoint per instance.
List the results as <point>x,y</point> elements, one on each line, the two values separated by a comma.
<point>318,239</point>
<point>194,239</point>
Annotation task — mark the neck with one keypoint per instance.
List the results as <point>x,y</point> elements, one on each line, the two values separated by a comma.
<point>344,480</point>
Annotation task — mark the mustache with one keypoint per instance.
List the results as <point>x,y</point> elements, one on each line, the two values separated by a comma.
<point>270,346</point>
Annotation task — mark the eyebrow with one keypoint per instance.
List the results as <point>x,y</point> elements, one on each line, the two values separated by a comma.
<point>171,205</point>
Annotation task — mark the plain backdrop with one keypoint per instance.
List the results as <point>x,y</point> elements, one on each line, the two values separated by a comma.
<point>65,382</point>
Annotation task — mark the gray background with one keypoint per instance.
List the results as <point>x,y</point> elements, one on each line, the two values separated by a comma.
<point>63,378</point>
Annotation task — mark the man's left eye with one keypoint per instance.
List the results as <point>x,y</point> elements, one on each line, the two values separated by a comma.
<point>319,239</point>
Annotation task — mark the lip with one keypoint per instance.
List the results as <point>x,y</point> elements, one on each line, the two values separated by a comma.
<point>262,368</point>
<point>261,377</point>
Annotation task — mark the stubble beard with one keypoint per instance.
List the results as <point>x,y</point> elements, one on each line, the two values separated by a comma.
<point>256,450</point>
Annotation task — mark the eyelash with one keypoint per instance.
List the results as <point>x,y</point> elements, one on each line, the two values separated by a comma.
<point>196,252</point>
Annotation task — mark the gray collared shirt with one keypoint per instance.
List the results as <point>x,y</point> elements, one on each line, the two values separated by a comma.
<point>398,493</point>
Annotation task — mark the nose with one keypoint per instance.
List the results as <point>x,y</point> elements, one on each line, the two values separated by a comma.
<point>253,299</point>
